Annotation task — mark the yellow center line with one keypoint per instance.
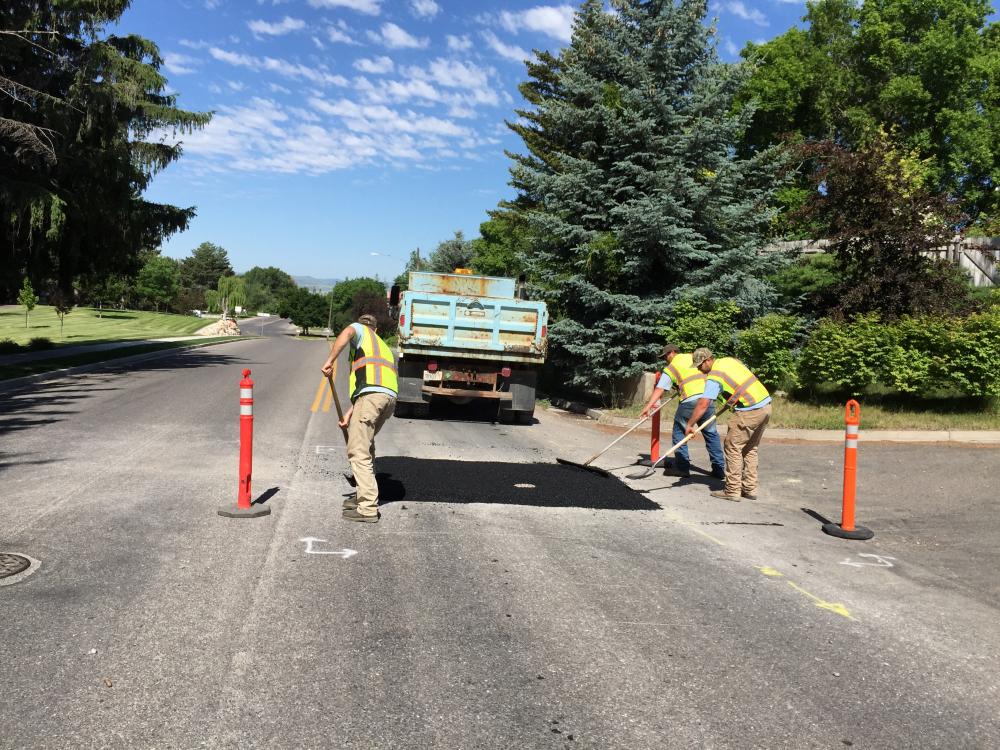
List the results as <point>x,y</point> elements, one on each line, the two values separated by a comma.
<point>328,401</point>
<point>839,609</point>
<point>319,395</point>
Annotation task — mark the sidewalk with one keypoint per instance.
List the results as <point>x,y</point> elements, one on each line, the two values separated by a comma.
<point>981,437</point>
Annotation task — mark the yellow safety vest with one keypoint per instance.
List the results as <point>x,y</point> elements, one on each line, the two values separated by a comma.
<point>688,379</point>
<point>372,363</point>
<point>737,380</point>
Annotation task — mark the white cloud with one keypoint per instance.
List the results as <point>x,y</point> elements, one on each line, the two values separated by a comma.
<point>371,7</point>
<point>194,44</point>
<point>236,85</point>
<point>378,66</point>
<point>318,42</point>
<point>555,21</point>
<point>394,37</point>
<point>739,8</point>
<point>178,64</point>
<point>459,43</point>
<point>730,47</point>
<point>424,8</point>
<point>284,26</point>
<point>510,51</point>
<point>340,33</point>
<point>278,88</point>
<point>281,67</point>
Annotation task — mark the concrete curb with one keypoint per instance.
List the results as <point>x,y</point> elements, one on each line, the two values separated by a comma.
<point>15,383</point>
<point>975,437</point>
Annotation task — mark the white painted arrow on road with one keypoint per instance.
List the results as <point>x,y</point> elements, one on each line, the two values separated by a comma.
<point>344,553</point>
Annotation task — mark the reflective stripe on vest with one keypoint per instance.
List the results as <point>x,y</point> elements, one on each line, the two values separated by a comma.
<point>737,380</point>
<point>372,363</point>
<point>688,380</point>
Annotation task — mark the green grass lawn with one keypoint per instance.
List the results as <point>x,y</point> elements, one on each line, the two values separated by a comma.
<point>84,326</point>
<point>889,412</point>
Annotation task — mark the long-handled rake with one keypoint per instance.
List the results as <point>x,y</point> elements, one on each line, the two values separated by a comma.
<point>598,470</point>
<point>649,471</point>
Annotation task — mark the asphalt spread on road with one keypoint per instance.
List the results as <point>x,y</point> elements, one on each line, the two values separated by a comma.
<point>543,485</point>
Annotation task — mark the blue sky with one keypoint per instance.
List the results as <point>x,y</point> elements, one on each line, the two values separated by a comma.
<point>349,132</point>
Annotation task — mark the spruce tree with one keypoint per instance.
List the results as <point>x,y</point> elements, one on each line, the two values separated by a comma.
<point>632,186</point>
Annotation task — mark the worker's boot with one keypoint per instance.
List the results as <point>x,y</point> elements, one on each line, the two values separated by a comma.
<point>353,515</point>
<point>673,471</point>
<point>351,501</point>
<point>721,494</point>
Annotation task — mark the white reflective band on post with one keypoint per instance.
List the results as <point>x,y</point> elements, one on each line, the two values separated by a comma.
<point>851,443</point>
<point>246,410</point>
<point>852,430</point>
<point>246,392</point>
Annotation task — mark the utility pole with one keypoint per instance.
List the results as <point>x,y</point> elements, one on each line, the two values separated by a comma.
<point>329,317</point>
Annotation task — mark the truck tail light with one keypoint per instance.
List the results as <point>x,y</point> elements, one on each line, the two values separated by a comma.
<point>402,320</point>
<point>505,372</point>
<point>432,367</point>
<point>545,331</point>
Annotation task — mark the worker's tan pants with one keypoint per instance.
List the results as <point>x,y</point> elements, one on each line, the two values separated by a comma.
<point>740,446</point>
<point>371,410</point>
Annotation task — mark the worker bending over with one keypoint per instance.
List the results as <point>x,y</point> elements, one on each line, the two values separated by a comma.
<point>752,412</point>
<point>681,373</point>
<point>373,387</point>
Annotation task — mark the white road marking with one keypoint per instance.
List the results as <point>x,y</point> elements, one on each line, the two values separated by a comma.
<point>344,553</point>
<point>879,561</point>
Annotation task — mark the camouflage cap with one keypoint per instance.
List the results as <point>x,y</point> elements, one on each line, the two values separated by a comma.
<point>368,320</point>
<point>700,355</point>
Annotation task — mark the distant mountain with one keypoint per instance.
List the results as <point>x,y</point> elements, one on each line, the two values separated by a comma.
<point>320,286</point>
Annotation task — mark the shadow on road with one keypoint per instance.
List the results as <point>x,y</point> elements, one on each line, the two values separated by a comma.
<point>542,485</point>
<point>35,404</point>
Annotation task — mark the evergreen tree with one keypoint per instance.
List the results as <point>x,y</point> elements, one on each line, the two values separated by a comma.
<point>632,189</point>
<point>77,106</point>
<point>451,254</point>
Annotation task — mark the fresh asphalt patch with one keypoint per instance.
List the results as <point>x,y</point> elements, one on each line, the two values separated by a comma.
<point>544,485</point>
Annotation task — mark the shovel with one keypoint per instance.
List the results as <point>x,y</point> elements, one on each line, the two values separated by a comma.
<point>596,469</point>
<point>340,416</point>
<point>649,472</point>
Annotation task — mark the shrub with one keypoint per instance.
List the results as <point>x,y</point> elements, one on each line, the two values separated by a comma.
<point>40,342</point>
<point>849,356</point>
<point>769,348</point>
<point>9,346</point>
<point>693,326</point>
<point>911,355</point>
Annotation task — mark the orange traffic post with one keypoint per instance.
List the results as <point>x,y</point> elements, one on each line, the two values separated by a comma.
<point>654,441</point>
<point>244,507</point>
<point>847,529</point>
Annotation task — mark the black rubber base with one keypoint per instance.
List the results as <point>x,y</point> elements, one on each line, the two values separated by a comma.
<point>254,511</point>
<point>860,532</point>
<point>350,479</point>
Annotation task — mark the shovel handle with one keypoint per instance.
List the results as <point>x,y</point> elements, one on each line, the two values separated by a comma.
<point>628,431</point>
<point>336,401</point>
<point>687,439</point>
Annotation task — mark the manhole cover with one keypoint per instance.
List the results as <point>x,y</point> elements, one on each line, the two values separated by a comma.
<point>11,565</point>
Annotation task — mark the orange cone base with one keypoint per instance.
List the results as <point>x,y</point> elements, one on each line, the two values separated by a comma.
<point>235,511</point>
<point>859,532</point>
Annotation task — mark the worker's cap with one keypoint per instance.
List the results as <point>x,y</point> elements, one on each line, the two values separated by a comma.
<point>368,320</point>
<point>669,349</point>
<point>700,354</point>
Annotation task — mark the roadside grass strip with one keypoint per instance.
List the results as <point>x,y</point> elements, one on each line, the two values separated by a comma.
<point>24,369</point>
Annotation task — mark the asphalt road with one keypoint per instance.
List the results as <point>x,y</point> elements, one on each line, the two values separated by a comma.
<point>502,601</point>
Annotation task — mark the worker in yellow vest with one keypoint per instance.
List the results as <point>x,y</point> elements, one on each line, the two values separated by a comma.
<point>373,386</point>
<point>681,374</point>
<point>751,413</point>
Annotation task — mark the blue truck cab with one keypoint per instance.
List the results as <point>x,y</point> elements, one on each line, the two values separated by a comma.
<point>464,337</point>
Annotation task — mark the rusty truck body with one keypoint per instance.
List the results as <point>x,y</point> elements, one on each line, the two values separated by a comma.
<point>464,337</point>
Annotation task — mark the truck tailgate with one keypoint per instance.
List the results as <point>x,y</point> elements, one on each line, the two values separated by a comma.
<point>475,327</point>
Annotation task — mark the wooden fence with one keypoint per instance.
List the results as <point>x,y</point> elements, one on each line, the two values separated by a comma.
<point>979,256</point>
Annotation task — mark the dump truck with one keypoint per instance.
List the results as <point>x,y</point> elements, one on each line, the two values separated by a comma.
<point>464,337</point>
